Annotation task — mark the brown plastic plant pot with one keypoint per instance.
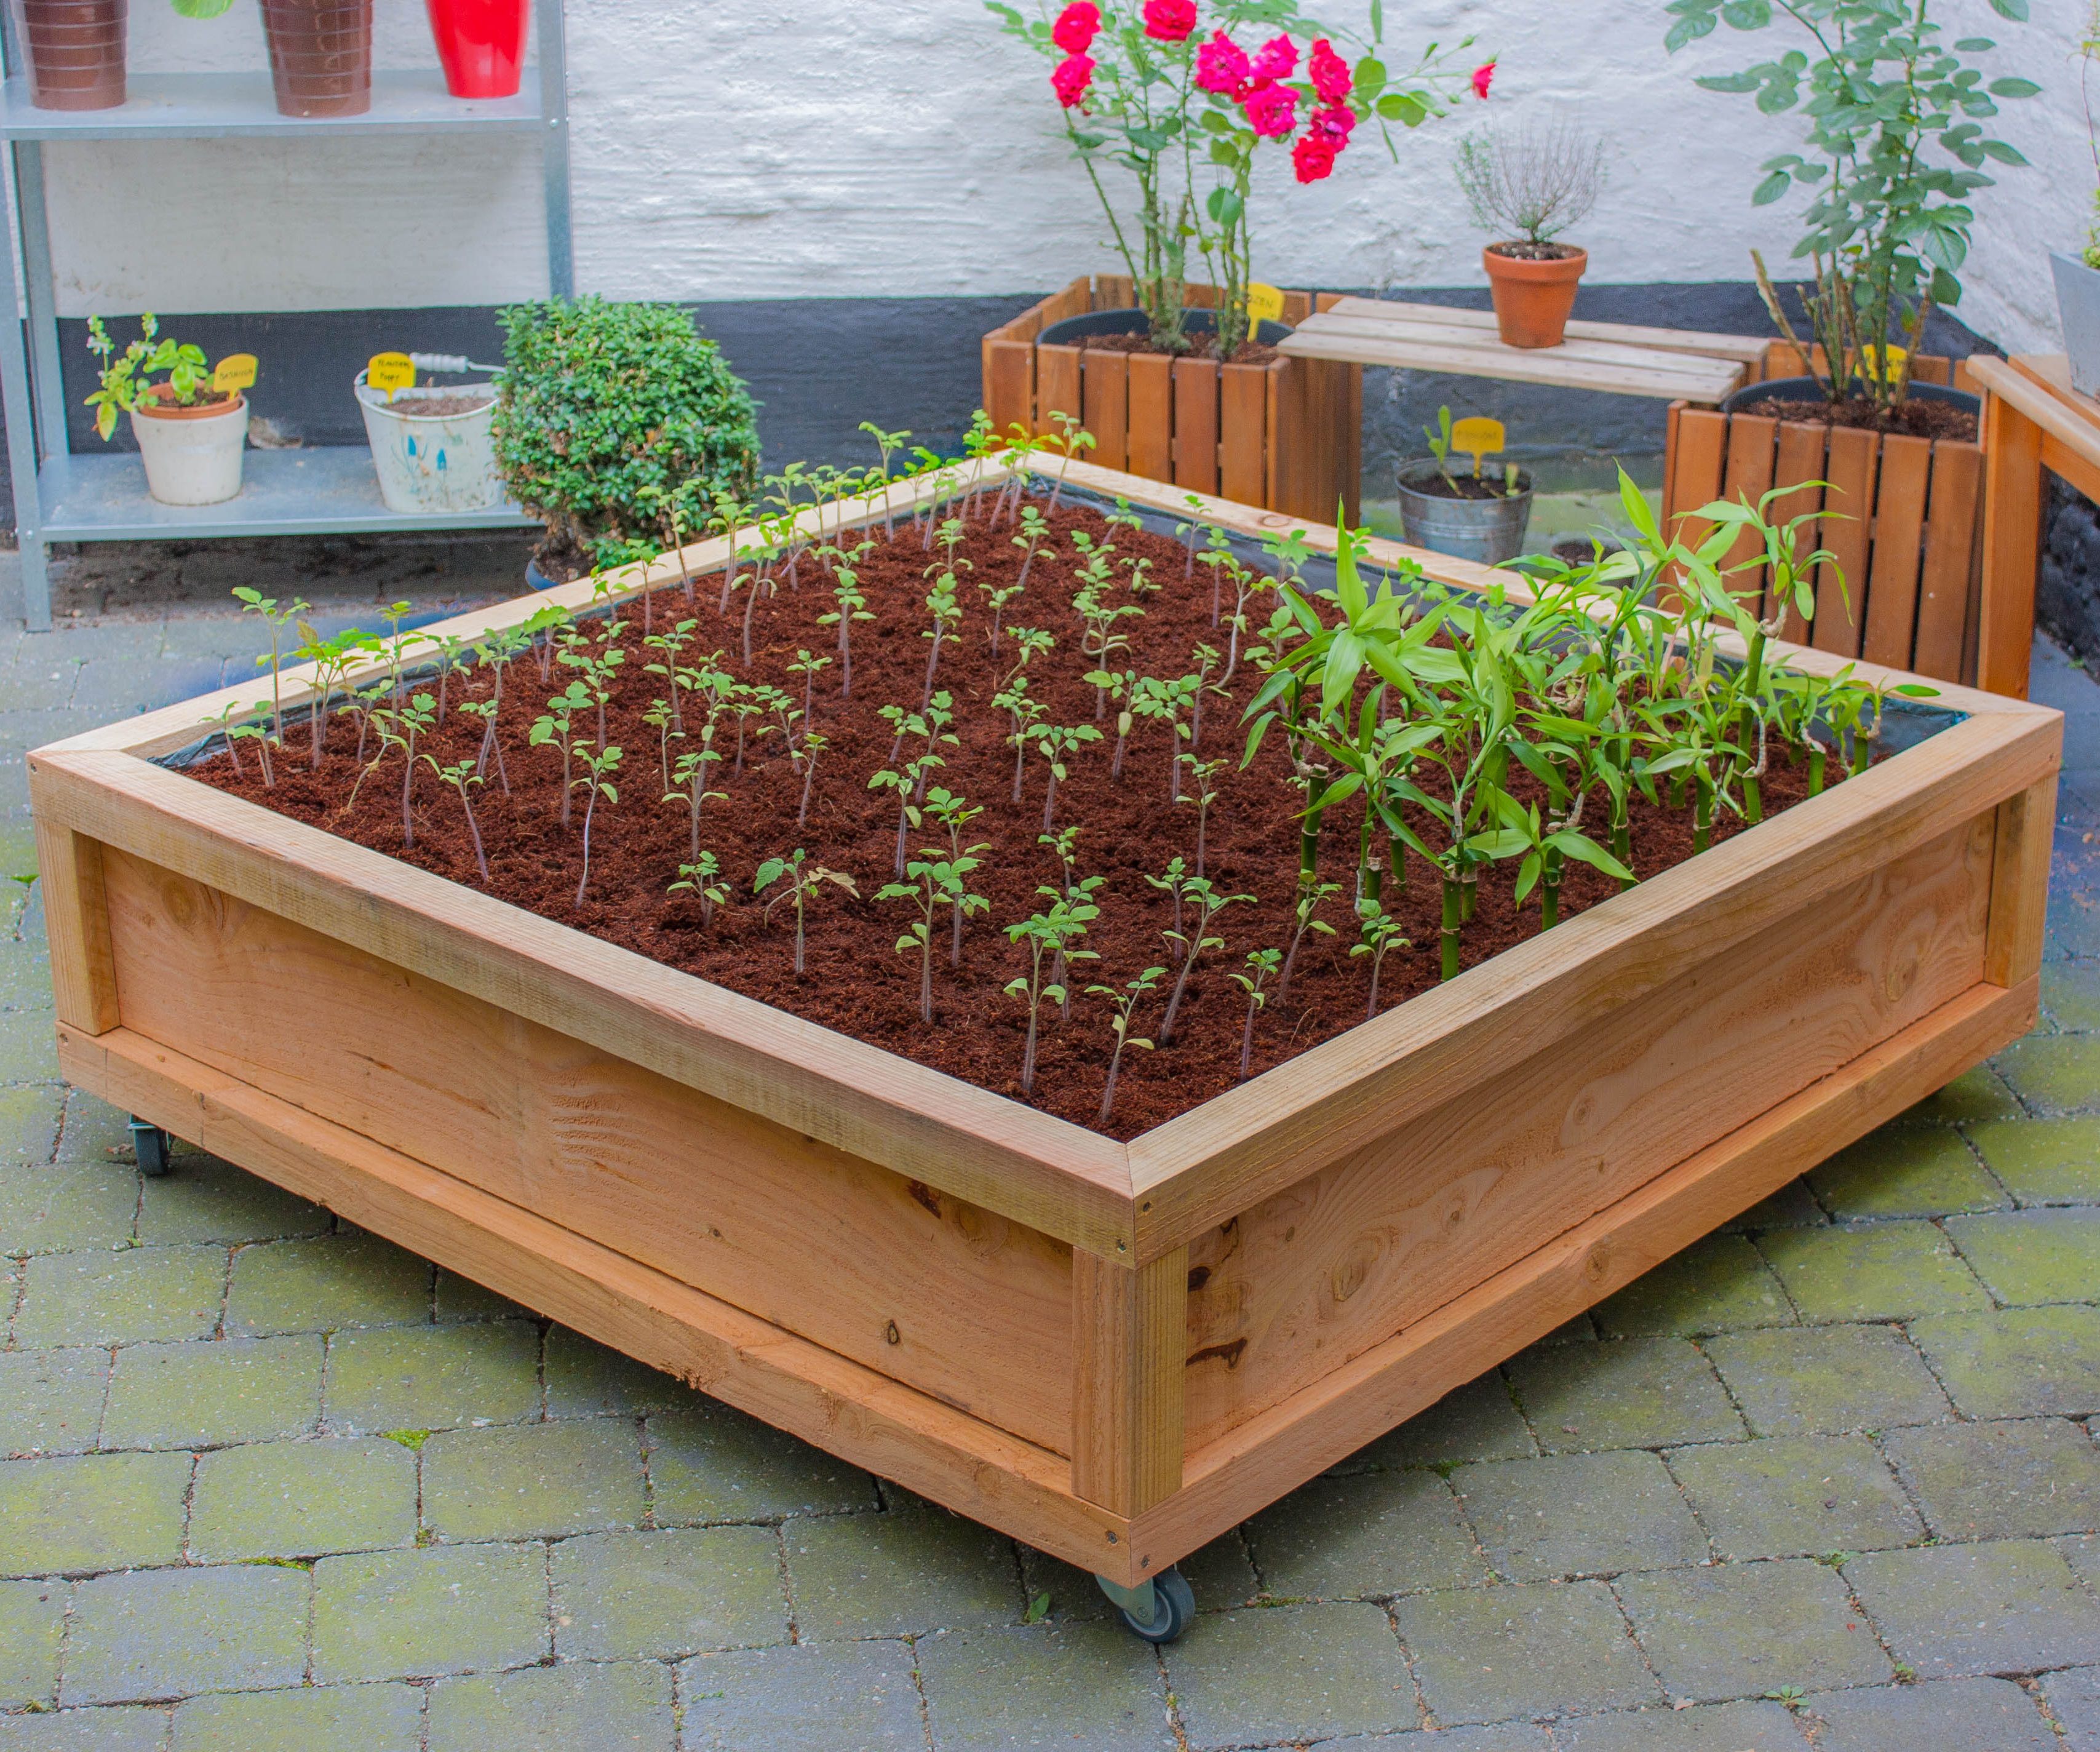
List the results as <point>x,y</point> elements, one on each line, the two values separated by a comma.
<point>76,51</point>
<point>320,56</point>
<point>1533,299</point>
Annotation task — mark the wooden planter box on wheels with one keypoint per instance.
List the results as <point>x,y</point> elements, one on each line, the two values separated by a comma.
<point>1285,436</point>
<point>1113,1351</point>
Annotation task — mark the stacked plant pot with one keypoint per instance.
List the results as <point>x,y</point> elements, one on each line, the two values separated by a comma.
<point>320,56</point>
<point>76,51</point>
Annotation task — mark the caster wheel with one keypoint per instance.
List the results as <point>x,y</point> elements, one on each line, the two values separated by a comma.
<point>1158,1610</point>
<point>149,1143</point>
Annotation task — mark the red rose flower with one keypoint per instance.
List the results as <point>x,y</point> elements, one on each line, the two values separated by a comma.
<point>1073,75</point>
<point>1313,156</point>
<point>1221,66</point>
<point>1328,71</point>
<point>1076,26</point>
<point>1170,20</point>
<point>1483,76</point>
<point>1276,58</point>
<point>1271,111</point>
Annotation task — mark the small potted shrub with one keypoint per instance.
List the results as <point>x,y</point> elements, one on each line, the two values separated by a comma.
<point>1532,186</point>
<point>2078,276</point>
<point>191,435</point>
<point>618,425</point>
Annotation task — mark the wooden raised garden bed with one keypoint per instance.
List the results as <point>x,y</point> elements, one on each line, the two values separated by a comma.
<point>1113,1351</point>
<point>1287,435</point>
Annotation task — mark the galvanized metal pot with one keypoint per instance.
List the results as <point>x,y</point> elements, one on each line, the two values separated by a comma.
<point>1488,529</point>
<point>2078,302</point>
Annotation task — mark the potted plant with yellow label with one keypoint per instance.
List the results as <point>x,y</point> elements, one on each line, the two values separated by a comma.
<point>191,426</point>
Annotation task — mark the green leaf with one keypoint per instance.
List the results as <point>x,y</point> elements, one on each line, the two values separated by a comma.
<point>1771,189</point>
<point>2013,88</point>
<point>1746,15</point>
<point>1402,107</point>
<point>1731,82</point>
<point>1369,77</point>
<point>2014,10</point>
<point>1689,29</point>
<point>2003,153</point>
<point>1975,45</point>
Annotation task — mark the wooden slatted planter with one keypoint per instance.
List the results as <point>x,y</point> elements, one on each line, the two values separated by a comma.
<point>1113,1352</point>
<point>1287,436</point>
<point>1906,521</point>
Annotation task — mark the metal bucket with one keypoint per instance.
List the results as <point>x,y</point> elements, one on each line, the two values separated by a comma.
<point>1490,531</point>
<point>432,464</point>
<point>2078,302</point>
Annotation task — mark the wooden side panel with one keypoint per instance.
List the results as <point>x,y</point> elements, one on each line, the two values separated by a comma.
<point>1798,465</point>
<point>1321,485</point>
<point>1669,456</point>
<point>1845,530</point>
<point>1243,431</point>
<point>1899,544</point>
<point>1150,434</point>
<point>76,922</point>
<point>1324,1270</point>
<point>1105,388</point>
<point>2019,884</point>
<point>1702,444</point>
<point>1352,462</point>
<point>1127,1380</point>
<point>1298,305</point>
<point>1196,425</point>
<point>910,1281</point>
<point>1952,507</point>
<point>1749,474</point>
<point>1113,292</point>
<point>2012,537</point>
<point>1009,384</point>
<point>1927,368</point>
<point>1056,387</point>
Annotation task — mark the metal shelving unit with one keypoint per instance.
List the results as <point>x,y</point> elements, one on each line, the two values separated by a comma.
<point>60,496</point>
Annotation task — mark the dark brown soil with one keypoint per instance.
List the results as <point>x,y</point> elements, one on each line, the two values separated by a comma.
<point>1460,486</point>
<point>443,407</point>
<point>1200,347</point>
<point>1534,252</point>
<point>159,396</point>
<point>1916,418</point>
<point>856,983</point>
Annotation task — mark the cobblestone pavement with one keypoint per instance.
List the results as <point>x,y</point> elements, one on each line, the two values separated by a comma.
<point>1827,1479</point>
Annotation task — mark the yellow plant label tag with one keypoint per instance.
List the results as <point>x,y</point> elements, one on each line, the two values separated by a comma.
<point>1263,303</point>
<point>389,372</point>
<point>1477,437</point>
<point>236,370</point>
<point>1871,361</point>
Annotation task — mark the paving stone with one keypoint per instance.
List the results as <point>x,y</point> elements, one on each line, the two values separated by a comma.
<point>50,1400</point>
<point>91,1511</point>
<point>662,1595</point>
<point>1744,1630</point>
<point>763,1700</point>
<point>71,1205</point>
<point>28,1050</point>
<point>1827,1380</point>
<point>91,1129</point>
<point>459,1298</point>
<point>2074,1699</point>
<point>1256,1675</point>
<point>1739,1726</point>
<point>1885,1271</point>
<point>1476,1422</point>
<point>159,1633</point>
<point>32,1625</point>
<point>1087,1687</point>
<point>111,1730</point>
<point>1717,1285</point>
<point>622,1707</point>
<point>2071,997</point>
<point>2015,1480</point>
<point>1906,1171</point>
<point>1629,1393</point>
<point>1511,1736</point>
<point>587,1379</point>
<point>311,1718</point>
<point>1373,1534</point>
<point>326,1284</point>
<point>2053,1073</point>
<point>713,1463</point>
<point>1796,1496</point>
<point>1949,1610</point>
<point>444,1608</point>
<point>2028,1257</point>
<point>30,1124</point>
<point>1793,1205</point>
<point>2082,1555</point>
<point>2021,1363</point>
<point>1488,1654</point>
<point>2044,1161</point>
<point>124,1297</point>
<point>428,1378</point>
<point>533,1479</point>
<point>897,1573</point>
<point>208,1391</point>
<point>1594,1514</point>
<point>1972,1715</point>
<point>206,1199</point>
<point>302,1498</point>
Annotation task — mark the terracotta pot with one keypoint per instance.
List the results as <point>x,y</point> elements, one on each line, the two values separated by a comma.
<point>1533,299</point>
<point>76,51</point>
<point>481,45</point>
<point>320,56</point>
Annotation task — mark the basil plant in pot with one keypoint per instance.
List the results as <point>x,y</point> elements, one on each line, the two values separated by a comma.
<point>191,435</point>
<point>2078,276</point>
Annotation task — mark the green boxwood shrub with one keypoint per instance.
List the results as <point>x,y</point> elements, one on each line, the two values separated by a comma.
<point>611,416</point>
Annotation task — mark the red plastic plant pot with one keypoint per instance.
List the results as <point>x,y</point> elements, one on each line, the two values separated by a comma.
<point>481,44</point>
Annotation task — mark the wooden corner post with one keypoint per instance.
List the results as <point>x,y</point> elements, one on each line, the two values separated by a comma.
<point>1130,1326</point>
<point>76,919</point>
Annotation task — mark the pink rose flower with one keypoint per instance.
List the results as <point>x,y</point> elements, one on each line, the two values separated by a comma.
<point>1076,26</point>
<point>1328,71</point>
<point>1313,156</point>
<point>1276,58</point>
<point>1221,66</point>
<point>1271,111</point>
<point>1073,75</point>
<point>1334,122</point>
<point>1483,76</point>
<point>1170,20</point>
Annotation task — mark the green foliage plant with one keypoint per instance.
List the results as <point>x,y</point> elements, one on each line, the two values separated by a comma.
<point>701,879</point>
<point>122,384</point>
<point>1260,963</point>
<point>803,881</point>
<point>1054,932</point>
<point>1123,1004</point>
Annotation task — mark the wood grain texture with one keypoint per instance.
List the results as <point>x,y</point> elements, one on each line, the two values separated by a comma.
<point>1951,537</point>
<point>1891,588</point>
<point>862,1417</point>
<point>2025,831</point>
<point>1845,530</point>
<point>1105,388</point>
<point>77,925</point>
<point>1150,436</point>
<point>1128,1376</point>
<point>1196,425</point>
<point>2012,540</point>
<point>1702,455</point>
<point>1009,384</point>
<point>940,1294</point>
<point>1744,350</point>
<point>1749,475</point>
<point>1242,433</point>
<point>1292,1442</point>
<point>1798,470</point>
<point>1057,388</point>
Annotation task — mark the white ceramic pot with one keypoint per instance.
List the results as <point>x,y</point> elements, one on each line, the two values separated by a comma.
<point>2078,302</point>
<point>192,455</point>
